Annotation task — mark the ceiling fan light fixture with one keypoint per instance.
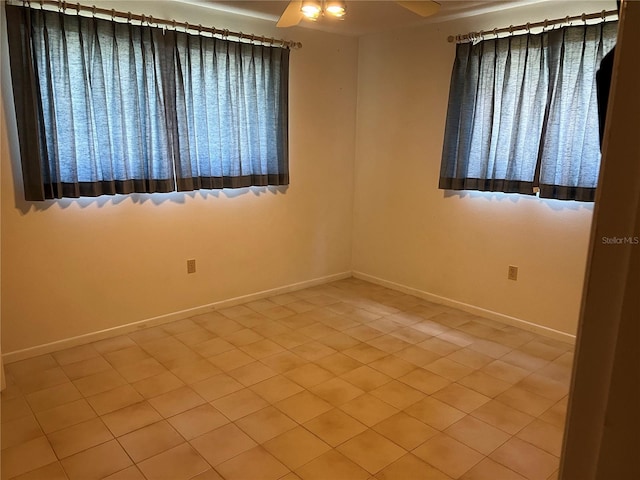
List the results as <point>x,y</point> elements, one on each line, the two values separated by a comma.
<point>312,9</point>
<point>336,8</point>
<point>297,10</point>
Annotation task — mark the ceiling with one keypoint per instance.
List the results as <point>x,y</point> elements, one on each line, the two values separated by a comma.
<point>365,16</point>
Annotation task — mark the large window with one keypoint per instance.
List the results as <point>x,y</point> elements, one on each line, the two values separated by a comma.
<point>106,107</point>
<point>523,114</point>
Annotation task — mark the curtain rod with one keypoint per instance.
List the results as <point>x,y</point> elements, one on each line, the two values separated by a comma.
<point>149,20</point>
<point>471,36</point>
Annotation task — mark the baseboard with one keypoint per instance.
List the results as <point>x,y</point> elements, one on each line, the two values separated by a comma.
<point>162,319</point>
<point>180,315</point>
<point>481,312</point>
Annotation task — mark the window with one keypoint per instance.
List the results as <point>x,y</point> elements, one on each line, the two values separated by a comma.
<point>106,107</point>
<point>523,114</point>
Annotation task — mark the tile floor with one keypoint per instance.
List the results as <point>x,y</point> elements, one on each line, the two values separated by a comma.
<point>348,380</point>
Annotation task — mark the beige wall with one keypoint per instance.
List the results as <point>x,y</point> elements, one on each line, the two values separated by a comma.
<point>78,266</point>
<point>457,246</point>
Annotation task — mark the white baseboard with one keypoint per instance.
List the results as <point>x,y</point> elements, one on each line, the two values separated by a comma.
<point>180,315</point>
<point>162,319</point>
<point>481,312</point>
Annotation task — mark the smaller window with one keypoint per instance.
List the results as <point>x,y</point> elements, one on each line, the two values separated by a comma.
<point>523,114</point>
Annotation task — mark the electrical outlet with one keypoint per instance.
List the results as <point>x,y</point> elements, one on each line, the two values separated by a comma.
<point>513,273</point>
<point>191,266</point>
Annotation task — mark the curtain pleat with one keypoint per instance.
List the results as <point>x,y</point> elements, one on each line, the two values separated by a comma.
<point>113,108</point>
<point>27,104</point>
<point>523,113</point>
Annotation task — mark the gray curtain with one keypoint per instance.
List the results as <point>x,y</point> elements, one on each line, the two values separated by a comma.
<point>231,113</point>
<point>112,108</point>
<point>523,114</point>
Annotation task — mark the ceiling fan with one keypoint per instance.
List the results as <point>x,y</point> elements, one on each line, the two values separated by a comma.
<point>312,9</point>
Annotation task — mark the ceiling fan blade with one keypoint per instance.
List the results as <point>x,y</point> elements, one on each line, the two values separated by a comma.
<point>424,8</point>
<point>291,15</point>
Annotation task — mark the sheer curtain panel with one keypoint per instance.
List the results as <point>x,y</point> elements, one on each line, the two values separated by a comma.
<point>92,117</point>
<point>231,106</point>
<point>105,107</point>
<point>523,114</point>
